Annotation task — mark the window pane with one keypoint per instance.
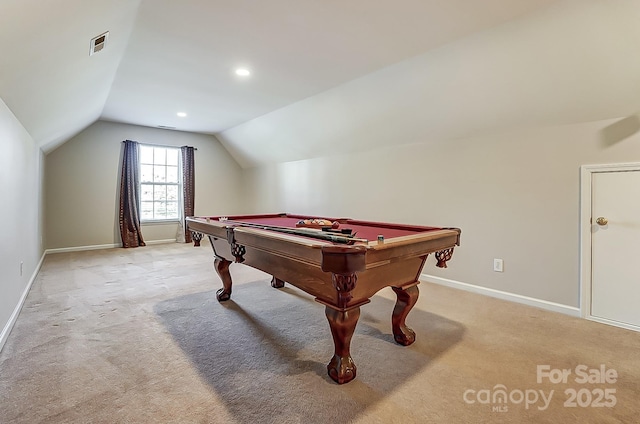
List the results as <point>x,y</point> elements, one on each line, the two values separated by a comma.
<point>160,210</point>
<point>172,157</point>
<point>160,156</point>
<point>172,174</point>
<point>159,174</point>
<point>160,192</point>
<point>146,193</point>
<point>172,209</point>
<point>146,210</point>
<point>146,154</point>
<point>146,173</point>
<point>172,193</point>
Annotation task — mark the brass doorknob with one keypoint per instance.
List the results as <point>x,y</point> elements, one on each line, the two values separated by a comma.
<point>602,220</point>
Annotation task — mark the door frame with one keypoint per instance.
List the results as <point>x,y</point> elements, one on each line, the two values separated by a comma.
<point>586,173</point>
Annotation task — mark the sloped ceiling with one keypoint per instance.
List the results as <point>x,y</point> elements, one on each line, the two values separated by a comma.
<point>327,75</point>
<point>166,56</point>
<point>575,61</point>
<point>47,78</point>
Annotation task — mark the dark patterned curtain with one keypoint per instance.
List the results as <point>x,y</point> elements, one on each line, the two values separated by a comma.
<point>129,196</point>
<point>188,186</point>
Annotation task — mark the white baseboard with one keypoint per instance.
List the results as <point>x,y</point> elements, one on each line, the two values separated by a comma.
<point>624,325</point>
<point>81,248</point>
<point>103,246</point>
<point>161,241</point>
<point>14,316</point>
<point>530,301</point>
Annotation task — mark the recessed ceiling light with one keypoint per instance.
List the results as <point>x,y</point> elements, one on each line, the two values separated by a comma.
<point>243,72</point>
<point>182,114</point>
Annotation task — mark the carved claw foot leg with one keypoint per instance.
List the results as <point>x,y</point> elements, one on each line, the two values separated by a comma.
<point>277,283</point>
<point>222,295</point>
<point>407,298</point>
<point>222,268</point>
<point>341,368</point>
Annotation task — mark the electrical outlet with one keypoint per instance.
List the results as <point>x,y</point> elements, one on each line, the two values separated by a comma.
<point>498,265</point>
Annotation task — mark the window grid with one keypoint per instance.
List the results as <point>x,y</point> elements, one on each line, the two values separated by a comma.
<point>159,183</point>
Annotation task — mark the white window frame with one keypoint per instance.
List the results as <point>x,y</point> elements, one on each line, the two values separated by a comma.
<point>178,185</point>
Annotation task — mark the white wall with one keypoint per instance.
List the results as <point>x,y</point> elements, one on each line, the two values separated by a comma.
<point>82,178</point>
<point>515,196</point>
<point>20,216</point>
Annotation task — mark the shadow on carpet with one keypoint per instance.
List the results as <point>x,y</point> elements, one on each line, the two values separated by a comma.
<point>264,352</point>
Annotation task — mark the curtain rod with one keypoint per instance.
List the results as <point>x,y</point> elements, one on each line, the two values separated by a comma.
<point>159,145</point>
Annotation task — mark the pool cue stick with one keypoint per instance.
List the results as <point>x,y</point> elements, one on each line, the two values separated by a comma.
<point>309,232</point>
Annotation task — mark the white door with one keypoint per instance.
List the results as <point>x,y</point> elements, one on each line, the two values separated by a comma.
<point>615,246</point>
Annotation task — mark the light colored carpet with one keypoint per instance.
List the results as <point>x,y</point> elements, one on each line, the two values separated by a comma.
<point>136,336</point>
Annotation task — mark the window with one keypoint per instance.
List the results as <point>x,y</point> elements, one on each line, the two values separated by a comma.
<point>160,183</point>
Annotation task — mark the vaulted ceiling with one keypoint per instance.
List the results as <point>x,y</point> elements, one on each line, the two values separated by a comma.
<point>317,67</point>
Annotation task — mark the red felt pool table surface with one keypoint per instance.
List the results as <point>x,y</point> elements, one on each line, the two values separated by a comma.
<point>361,229</point>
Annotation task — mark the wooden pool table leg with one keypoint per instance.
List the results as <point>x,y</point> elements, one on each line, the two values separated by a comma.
<point>407,298</point>
<point>341,368</point>
<point>222,268</point>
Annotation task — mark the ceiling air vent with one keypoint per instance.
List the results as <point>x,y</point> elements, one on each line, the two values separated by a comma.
<point>98,43</point>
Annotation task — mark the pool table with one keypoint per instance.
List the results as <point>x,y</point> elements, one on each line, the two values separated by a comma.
<point>342,273</point>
